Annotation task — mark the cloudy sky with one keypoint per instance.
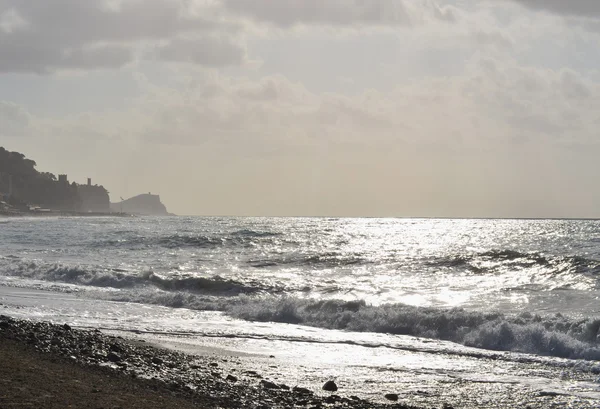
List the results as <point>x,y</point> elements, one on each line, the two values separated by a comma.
<point>456,108</point>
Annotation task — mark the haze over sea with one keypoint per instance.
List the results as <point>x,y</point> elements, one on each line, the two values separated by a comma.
<point>472,310</point>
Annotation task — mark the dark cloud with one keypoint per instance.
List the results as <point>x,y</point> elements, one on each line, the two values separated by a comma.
<point>39,59</point>
<point>42,36</point>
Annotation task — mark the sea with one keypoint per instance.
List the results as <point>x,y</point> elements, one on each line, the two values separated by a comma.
<point>472,312</point>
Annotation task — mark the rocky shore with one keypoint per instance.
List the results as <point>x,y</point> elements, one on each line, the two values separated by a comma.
<point>151,377</point>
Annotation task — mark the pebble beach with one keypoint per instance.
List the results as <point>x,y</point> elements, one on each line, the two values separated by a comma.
<point>44,365</point>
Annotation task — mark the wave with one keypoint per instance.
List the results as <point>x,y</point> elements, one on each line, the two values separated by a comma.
<point>244,238</point>
<point>122,279</point>
<point>324,260</point>
<point>556,336</point>
<point>552,336</point>
<point>495,260</point>
<point>253,233</point>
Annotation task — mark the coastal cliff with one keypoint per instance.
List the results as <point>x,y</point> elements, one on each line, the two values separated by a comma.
<point>23,189</point>
<point>144,204</point>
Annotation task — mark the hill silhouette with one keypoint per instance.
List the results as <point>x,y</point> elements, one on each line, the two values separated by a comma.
<point>23,187</point>
<point>144,204</point>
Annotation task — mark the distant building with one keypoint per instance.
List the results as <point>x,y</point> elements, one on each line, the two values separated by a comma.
<point>94,199</point>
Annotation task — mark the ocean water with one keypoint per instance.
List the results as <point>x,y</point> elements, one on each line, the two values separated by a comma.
<point>470,311</point>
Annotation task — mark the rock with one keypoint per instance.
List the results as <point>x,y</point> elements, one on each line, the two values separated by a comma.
<point>67,327</point>
<point>4,324</point>
<point>113,357</point>
<point>330,386</point>
<point>156,360</point>
<point>331,399</point>
<point>214,364</point>
<point>546,393</point>
<point>391,396</point>
<point>302,391</point>
<point>284,387</point>
<point>231,378</point>
<point>269,385</point>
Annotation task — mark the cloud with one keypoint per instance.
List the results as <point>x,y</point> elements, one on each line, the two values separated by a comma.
<point>11,21</point>
<point>42,37</point>
<point>571,7</point>
<point>71,34</point>
<point>286,13</point>
<point>206,50</point>
<point>495,103</point>
<point>14,119</point>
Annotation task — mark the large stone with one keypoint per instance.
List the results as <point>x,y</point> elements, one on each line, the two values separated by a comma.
<point>113,357</point>
<point>330,386</point>
<point>391,396</point>
<point>269,385</point>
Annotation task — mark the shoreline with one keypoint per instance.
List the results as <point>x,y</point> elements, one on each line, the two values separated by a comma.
<point>199,381</point>
<point>61,214</point>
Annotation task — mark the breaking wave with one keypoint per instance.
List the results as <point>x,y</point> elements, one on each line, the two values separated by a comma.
<point>121,279</point>
<point>553,336</point>
<point>556,335</point>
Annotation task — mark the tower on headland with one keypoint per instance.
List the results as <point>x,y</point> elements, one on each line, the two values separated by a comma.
<point>94,199</point>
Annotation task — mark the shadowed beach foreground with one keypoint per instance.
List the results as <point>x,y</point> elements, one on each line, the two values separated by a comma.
<point>51,366</point>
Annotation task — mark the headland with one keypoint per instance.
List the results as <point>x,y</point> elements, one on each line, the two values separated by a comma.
<point>25,191</point>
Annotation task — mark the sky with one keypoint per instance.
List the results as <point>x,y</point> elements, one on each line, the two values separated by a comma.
<point>385,108</point>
